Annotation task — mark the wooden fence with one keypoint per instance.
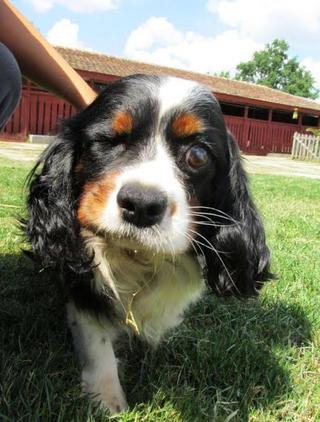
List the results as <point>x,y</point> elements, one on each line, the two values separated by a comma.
<point>262,137</point>
<point>38,113</point>
<point>305,147</point>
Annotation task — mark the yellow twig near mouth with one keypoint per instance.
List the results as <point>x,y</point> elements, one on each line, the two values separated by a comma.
<point>130,319</point>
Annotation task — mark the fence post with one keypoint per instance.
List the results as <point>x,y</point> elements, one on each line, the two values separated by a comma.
<point>25,111</point>
<point>295,145</point>
<point>317,154</point>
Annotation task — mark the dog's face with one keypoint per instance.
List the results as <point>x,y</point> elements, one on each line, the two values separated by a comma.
<point>152,148</point>
<point>149,165</point>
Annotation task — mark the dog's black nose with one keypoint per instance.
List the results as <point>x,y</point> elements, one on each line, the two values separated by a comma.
<point>141,205</point>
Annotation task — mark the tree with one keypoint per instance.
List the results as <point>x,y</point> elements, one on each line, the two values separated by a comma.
<point>272,67</point>
<point>315,131</point>
<point>223,74</point>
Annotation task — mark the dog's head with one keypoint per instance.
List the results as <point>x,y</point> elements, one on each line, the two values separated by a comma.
<point>149,165</point>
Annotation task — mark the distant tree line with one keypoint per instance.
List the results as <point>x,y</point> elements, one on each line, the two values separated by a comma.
<point>274,68</point>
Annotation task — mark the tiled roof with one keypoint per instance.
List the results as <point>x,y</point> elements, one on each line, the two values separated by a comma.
<point>109,65</point>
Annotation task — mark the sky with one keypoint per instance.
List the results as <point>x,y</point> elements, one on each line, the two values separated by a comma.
<point>206,36</point>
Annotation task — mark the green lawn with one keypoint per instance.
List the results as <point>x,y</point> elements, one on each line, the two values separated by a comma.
<point>230,361</point>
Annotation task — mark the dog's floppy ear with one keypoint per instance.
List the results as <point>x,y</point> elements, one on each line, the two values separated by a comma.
<point>51,226</point>
<point>242,259</point>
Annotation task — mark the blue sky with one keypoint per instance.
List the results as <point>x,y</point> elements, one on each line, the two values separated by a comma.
<point>200,35</point>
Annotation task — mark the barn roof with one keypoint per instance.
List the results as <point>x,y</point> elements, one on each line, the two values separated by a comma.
<point>110,65</point>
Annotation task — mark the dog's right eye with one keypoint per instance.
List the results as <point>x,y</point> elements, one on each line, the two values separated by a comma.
<point>120,139</point>
<point>112,140</point>
<point>197,157</point>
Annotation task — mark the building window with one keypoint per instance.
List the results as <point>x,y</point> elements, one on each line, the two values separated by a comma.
<point>232,109</point>
<point>258,113</point>
<point>308,120</point>
<point>283,117</point>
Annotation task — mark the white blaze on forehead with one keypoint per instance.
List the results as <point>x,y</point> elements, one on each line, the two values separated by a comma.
<point>160,173</point>
<point>174,92</point>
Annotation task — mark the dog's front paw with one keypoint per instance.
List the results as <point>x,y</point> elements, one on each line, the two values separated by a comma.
<point>107,391</point>
<point>115,401</point>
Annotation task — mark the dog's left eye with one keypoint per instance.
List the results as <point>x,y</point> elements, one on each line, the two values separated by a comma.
<point>197,157</point>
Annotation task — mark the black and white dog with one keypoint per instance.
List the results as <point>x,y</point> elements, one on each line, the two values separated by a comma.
<point>139,203</point>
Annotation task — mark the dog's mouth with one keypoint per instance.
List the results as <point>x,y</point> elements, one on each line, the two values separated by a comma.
<point>141,244</point>
<point>136,246</point>
<point>147,241</point>
<point>139,253</point>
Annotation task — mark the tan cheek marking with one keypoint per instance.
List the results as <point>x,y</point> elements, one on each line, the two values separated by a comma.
<point>186,125</point>
<point>173,209</point>
<point>94,199</point>
<point>122,123</point>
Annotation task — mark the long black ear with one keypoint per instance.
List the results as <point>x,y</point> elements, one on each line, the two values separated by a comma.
<point>51,226</point>
<point>241,262</point>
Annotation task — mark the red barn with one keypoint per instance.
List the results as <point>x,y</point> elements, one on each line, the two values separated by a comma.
<point>262,119</point>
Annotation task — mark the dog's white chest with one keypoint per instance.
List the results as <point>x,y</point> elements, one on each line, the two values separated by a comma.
<point>159,306</point>
<point>152,299</point>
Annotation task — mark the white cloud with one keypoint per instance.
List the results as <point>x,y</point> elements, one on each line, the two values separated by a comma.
<point>42,5</point>
<point>80,6</point>
<point>65,33</point>
<point>155,31</point>
<point>158,41</point>
<point>291,19</point>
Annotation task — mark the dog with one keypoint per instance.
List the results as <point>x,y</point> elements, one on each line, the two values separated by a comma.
<point>139,205</point>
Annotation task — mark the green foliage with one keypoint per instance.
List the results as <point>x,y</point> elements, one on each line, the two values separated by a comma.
<point>273,67</point>
<point>223,74</point>
<point>315,131</point>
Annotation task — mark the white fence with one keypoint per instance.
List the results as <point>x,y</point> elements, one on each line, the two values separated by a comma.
<point>305,147</point>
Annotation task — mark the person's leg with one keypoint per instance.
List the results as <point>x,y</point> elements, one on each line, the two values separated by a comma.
<point>10,84</point>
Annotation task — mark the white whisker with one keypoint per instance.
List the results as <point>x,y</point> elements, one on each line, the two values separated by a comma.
<point>218,255</point>
<point>205,223</point>
<point>200,214</point>
<point>193,244</point>
<point>216,210</point>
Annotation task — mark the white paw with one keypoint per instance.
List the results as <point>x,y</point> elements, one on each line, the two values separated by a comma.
<point>106,391</point>
<point>115,401</point>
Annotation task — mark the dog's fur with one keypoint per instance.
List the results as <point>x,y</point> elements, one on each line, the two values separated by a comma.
<point>161,138</point>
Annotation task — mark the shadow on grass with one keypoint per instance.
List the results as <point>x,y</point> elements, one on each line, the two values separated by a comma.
<point>223,360</point>
<point>38,369</point>
<point>227,358</point>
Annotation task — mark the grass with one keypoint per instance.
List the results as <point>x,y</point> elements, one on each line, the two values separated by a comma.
<point>257,360</point>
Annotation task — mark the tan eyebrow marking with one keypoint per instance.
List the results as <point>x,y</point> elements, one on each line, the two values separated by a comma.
<point>186,124</point>
<point>122,123</point>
